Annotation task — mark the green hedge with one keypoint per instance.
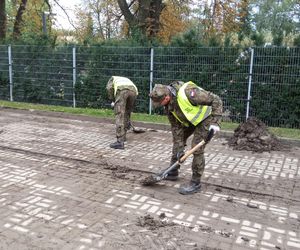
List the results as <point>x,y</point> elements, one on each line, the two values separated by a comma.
<point>44,74</point>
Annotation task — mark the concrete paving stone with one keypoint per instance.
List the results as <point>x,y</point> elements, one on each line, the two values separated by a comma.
<point>5,241</point>
<point>242,247</point>
<point>55,184</point>
<point>213,243</point>
<point>225,246</point>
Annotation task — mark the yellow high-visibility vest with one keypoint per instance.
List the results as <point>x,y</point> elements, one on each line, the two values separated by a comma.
<point>122,81</point>
<point>194,114</point>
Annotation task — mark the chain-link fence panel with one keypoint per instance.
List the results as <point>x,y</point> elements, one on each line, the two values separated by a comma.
<point>222,71</point>
<point>95,66</point>
<point>43,74</point>
<point>4,73</point>
<point>276,86</point>
<point>260,82</point>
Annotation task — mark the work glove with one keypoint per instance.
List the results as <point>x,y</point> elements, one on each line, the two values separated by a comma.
<point>112,104</point>
<point>179,155</point>
<point>215,128</point>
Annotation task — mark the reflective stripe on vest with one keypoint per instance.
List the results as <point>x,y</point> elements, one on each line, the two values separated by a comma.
<point>122,81</point>
<point>194,114</point>
<point>182,122</point>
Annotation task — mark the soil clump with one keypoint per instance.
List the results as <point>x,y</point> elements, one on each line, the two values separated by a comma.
<point>253,135</point>
<point>148,181</point>
<point>151,223</point>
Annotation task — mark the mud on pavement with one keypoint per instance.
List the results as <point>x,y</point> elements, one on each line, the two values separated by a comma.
<point>62,187</point>
<point>253,135</point>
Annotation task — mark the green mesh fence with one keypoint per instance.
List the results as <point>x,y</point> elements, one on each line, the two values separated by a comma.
<point>57,75</point>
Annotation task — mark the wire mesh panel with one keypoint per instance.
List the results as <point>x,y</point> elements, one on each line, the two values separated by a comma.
<point>276,86</point>
<point>4,73</point>
<point>43,74</point>
<point>65,75</point>
<point>97,64</point>
<point>222,71</point>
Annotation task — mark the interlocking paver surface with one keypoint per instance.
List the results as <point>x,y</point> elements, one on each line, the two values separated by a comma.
<point>62,187</point>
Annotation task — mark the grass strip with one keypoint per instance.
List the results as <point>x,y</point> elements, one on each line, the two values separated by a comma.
<point>108,113</point>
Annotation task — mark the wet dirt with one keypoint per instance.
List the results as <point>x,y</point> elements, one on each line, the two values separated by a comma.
<point>151,223</point>
<point>148,181</point>
<point>253,135</point>
<point>117,171</point>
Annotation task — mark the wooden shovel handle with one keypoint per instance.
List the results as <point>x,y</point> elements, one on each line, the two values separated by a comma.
<point>191,151</point>
<point>200,144</point>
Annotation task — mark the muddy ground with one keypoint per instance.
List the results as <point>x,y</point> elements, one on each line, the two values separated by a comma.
<point>62,187</point>
<point>254,135</point>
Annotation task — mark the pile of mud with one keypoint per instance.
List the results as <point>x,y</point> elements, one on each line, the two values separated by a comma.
<point>118,171</point>
<point>151,223</point>
<point>253,135</point>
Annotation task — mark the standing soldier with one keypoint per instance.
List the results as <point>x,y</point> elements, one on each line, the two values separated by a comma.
<point>122,92</point>
<point>190,110</point>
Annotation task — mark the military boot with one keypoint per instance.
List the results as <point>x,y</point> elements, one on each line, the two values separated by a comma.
<point>117,145</point>
<point>190,188</point>
<point>172,175</point>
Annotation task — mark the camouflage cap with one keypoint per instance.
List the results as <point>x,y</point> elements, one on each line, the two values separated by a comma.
<point>158,93</point>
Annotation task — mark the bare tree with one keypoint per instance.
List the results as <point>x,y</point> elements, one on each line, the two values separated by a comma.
<point>2,20</point>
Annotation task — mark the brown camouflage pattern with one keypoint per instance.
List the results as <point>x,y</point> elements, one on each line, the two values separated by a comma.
<point>181,133</point>
<point>124,105</point>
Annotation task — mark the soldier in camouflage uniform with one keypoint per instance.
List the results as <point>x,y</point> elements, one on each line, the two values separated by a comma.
<point>122,92</point>
<point>190,110</point>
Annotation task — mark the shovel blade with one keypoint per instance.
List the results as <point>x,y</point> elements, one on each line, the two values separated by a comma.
<point>152,179</point>
<point>138,131</point>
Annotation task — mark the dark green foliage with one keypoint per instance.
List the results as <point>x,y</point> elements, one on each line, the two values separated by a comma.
<point>297,41</point>
<point>258,39</point>
<point>188,39</point>
<point>104,62</point>
<point>276,86</point>
<point>4,87</point>
<point>4,76</point>
<point>214,69</point>
<point>278,38</point>
<point>44,74</point>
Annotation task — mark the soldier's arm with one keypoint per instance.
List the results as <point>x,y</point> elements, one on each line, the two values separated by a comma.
<point>110,90</point>
<point>198,96</point>
<point>178,137</point>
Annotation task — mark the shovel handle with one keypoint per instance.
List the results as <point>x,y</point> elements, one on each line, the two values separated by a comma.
<point>165,172</point>
<point>191,151</point>
<point>200,144</point>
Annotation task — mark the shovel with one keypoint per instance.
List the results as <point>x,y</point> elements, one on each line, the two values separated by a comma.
<point>152,179</point>
<point>136,130</point>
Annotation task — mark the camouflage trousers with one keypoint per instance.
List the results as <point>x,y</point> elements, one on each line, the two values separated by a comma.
<point>180,136</point>
<point>124,105</point>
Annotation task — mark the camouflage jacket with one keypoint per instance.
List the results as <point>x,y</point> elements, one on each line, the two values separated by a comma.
<point>110,89</point>
<point>196,96</point>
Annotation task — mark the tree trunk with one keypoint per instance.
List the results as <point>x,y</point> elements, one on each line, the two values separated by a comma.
<point>19,19</point>
<point>146,18</point>
<point>2,20</point>
<point>129,17</point>
<point>156,7</point>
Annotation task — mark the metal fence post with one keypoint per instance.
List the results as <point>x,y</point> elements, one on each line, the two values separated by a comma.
<point>151,77</point>
<point>74,76</point>
<point>10,74</point>
<point>249,83</point>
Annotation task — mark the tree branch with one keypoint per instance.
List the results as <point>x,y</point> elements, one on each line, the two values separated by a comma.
<point>125,8</point>
<point>69,19</point>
